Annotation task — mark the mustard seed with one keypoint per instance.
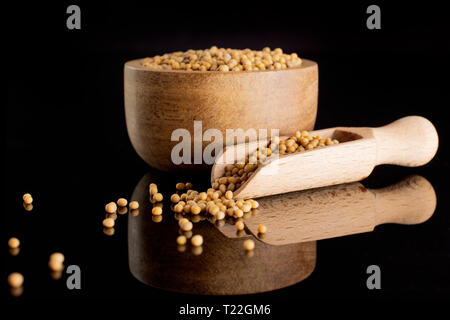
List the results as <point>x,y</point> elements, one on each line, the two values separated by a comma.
<point>57,256</point>
<point>178,208</point>
<point>122,202</point>
<point>13,243</point>
<point>108,223</point>
<point>220,215</point>
<point>180,186</point>
<point>188,185</point>
<point>249,245</point>
<point>158,197</point>
<point>111,207</point>
<point>15,280</point>
<point>27,198</point>
<point>262,228</point>
<point>157,211</point>
<point>195,209</point>
<point>187,226</point>
<point>181,240</point>
<point>134,205</point>
<point>182,221</point>
<point>197,240</point>
<point>175,198</point>
<point>55,265</point>
<point>240,225</point>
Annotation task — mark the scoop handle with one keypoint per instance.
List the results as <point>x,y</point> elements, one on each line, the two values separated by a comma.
<point>410,141</point>
<point>411,201</point>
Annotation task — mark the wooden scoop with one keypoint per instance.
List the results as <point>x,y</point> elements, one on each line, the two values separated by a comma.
<point>411,141</point>
<point>341,210</point>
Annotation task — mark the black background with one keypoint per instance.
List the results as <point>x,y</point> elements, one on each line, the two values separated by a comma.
<point>66,141</point>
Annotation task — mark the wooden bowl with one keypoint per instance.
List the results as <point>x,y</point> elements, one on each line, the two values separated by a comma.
<point>158,102</point>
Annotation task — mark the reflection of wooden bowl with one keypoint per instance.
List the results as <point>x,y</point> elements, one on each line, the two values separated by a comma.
<point>223,268</point>
<point>158,102</point>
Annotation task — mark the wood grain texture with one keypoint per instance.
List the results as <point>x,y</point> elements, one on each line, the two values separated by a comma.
<point>410,141</point>
<point>341,210</point>
<point>223,268</point>
<point>158,102</point>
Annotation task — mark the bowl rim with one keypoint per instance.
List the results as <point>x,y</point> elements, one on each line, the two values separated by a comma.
<point>135,65</point>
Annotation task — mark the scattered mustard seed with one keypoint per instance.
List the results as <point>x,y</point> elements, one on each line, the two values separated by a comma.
<point>122,202</point>
<point>158,197</point>
<point>157,211</point>
<point>13,243</point>
<point>134,205</point>
<point>197,240</point>
<point>262,228</point>
<point>249,245</point>
<point>181,240</point>
<point>15,280</point>
<point>111,207</point>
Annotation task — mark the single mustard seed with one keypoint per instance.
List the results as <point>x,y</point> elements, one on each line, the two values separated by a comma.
<point>26,196</point>
<point>195,209</point>
<point>111,207</point>
<point>178,207</point>
<point>197,240</point>
<point>15,280</point>
<point>134,205</point>
<point>249,245</point>
<point>153,190</point>
<point>108,223</point>
<point>157,211</point>
<point>220,215</point>
<point>175,198</point>
<point>188,185</point>
<point>240,225</point>
<point>57,256</point>
<point>122,202</point>
<point>229,195</point>
<point>158,197</point>
<point>181,240</point>
<point>262,228</point>
<point>13,243</point>
<point>180,186</point>
<point>187,226</point>
<point>55,265</point>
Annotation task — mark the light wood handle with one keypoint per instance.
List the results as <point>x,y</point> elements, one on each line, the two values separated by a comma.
<point>410,141</point>
<point>411,201</point>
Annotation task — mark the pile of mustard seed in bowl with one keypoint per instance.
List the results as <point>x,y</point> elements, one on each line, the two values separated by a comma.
<point>224,60</point>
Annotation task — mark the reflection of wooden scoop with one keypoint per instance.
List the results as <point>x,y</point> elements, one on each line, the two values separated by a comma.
<point>411,141</point>
<point>342,210</point>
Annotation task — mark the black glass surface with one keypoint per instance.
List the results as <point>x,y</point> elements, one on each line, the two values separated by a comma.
<point>65,140</point>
